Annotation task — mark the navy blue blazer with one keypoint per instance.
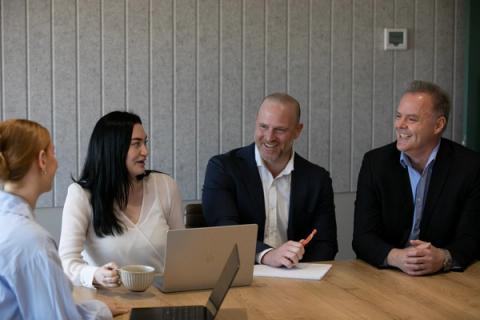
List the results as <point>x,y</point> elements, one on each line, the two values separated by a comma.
<point>384,205</point>
<point>233,194</point>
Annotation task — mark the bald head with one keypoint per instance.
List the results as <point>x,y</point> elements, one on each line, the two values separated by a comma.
<point>285,100</point>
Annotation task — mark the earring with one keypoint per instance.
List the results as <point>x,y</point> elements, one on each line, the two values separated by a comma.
<point>44,172</point>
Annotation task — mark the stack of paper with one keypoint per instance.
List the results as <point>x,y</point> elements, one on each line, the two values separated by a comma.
<point>311,271</point>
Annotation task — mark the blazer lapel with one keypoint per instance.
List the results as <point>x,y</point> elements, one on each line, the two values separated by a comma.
<point>439,176</point>
<point>252,181</point>
<point>298,192</point>
<point>406,198</point>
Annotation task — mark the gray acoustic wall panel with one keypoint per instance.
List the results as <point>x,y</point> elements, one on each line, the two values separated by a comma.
<point>113,55</point>
<point>320,86</point>
<point>231,74</point>
<point>458,90</point>
<point>208,72</point>
<point>341,94</point>
<point>362,98</point>
<point>297,61</point>
<point>185,95</point>
<point>162,85</point>
<point>276,46</point>
<point>65,96</point>
<point>197,70</point>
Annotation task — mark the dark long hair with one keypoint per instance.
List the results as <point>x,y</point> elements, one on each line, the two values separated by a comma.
<point>105,173</point>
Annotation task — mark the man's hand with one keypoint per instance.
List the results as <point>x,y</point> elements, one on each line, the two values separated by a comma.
<point>420,259</point>
<point>287,255</point>
<point>107,276</point>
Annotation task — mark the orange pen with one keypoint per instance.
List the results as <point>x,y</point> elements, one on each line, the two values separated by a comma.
<point>307,239</point>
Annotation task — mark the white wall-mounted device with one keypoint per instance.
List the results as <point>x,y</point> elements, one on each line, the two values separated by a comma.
<point>395,39</point>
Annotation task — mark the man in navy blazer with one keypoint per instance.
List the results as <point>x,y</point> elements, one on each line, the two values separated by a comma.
<point>418,199</point>
<point>268,184</point>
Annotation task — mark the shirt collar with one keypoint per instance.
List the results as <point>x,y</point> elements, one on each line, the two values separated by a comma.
<point>405,160</point>
<point>286,171</point>
<point>11,203</point>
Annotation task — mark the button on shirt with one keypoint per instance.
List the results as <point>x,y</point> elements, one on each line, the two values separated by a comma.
<point>276,194</point>
<point>419,183</point>
<point>32,282</point>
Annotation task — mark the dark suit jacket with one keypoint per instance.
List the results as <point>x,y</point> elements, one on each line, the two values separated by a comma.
<point>384,205</point>
<point>233,194</point>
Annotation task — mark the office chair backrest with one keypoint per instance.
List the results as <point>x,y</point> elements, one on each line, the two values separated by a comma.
<point>194,216</point>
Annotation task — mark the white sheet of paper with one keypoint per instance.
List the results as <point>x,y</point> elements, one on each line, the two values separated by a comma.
<point>310,271</point>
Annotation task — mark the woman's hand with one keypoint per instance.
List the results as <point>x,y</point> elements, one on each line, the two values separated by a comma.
<point>107,276</point>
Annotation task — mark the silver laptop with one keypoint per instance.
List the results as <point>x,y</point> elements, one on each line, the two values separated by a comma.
<point>195,257</point>
<point>208,312</point>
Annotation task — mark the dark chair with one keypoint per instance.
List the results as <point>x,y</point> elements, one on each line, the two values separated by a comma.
<point>194,216</point>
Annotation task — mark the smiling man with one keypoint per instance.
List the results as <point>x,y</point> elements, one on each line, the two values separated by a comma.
<point>418,199</point>
<point>268,184</point>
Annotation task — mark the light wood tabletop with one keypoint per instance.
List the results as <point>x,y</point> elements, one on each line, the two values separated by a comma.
<point>350,290</point>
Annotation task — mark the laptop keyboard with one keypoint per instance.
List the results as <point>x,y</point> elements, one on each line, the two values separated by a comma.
<point>192,312</point>
<point>171,313</point>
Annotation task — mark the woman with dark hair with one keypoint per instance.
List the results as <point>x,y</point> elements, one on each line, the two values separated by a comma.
<point>32,282</point>
<point>117,213</point>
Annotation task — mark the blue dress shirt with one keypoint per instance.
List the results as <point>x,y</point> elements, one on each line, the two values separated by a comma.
<point>419,182</point>
<point>32,282</point>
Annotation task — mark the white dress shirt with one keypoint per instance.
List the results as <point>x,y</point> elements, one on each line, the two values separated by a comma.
<point>276,194</point>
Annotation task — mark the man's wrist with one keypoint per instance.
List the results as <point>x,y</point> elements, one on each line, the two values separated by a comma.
<point>447,261</point>
<point>260,255</point>
<point>390,259</point>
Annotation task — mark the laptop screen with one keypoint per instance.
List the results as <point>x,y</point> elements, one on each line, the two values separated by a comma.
<point>207,249</point>
<point>224,281</point>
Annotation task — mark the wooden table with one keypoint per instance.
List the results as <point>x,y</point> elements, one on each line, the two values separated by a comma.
<point>350,290</point>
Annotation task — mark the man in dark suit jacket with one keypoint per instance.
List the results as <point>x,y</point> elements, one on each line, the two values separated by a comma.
<point>418,199</point>
<point>268,184</point>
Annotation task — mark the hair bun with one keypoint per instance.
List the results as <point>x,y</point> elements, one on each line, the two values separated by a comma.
<point>4,170</point>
